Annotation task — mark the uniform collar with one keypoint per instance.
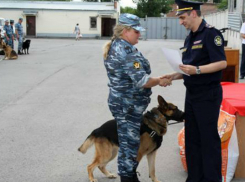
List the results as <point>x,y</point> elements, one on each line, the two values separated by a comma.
<point>201,27</point>
<point>125,42</point>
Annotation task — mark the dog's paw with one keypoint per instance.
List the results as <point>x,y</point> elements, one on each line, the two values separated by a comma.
<point>112,176</point>
<point>156,180</point>
<point>93,180</point>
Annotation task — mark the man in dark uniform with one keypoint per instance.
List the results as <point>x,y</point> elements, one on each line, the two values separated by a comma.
<point>203,59</point>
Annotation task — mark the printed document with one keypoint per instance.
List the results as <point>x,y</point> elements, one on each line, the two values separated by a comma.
<point>174,59</point>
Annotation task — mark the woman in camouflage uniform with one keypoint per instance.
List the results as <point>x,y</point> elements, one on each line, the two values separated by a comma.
<point>130,89</point>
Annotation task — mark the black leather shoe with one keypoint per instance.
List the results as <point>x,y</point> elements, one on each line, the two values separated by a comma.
<point>241,77</point>
<point>126,179</point>
<point>19,53</point>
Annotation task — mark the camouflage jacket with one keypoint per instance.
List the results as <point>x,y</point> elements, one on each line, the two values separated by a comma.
<point>127,71</point>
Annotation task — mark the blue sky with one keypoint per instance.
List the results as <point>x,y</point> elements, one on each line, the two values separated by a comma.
<point>129,3</point>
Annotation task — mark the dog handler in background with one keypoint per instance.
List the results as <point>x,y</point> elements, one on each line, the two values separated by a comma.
<point>19,34</point>
<point>8,35</point>
<point>203,59</point>
<point>130,89</point>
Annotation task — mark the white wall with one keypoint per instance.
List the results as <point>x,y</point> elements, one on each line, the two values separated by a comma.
<point>55,23</point>
<point>65,22</point>
<point>234,40</point>
<point>13,15</point>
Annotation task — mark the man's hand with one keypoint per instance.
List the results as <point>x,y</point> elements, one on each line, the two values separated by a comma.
<point>165,82</point>
<point>170,77</point>
<point>173,76</point>
<point>188,69</point>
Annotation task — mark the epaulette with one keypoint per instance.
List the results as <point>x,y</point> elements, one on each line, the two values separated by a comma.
<point>128,49</point>
<point>209,26</point>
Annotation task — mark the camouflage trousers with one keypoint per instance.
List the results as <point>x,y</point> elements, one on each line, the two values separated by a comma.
<point>129,118</point>
<point>9,42</point>
<point>20,41</point>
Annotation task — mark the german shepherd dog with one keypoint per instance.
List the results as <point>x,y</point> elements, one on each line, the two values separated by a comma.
<point>25,46</point>
<point>9,52</point>
<point>153,127</point>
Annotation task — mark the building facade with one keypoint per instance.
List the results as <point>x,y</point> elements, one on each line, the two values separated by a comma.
<point>58,19</point>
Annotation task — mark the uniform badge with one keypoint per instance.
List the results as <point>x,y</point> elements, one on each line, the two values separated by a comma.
<point>136,65</point>
<point>197,42</point>
<point>218,41</point>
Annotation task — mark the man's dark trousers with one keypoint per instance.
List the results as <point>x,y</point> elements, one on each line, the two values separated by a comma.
<point>202,141</point>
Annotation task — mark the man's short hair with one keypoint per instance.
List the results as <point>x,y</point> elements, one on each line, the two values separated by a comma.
<point>197,11</point>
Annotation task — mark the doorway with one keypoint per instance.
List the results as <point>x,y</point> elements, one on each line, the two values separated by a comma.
<point>107,27</point>
<point>31,26</point>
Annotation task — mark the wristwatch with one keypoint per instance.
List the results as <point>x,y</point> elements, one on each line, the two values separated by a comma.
<point>198,70</point>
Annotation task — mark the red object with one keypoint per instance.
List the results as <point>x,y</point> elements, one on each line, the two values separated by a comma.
<point>233,98</point>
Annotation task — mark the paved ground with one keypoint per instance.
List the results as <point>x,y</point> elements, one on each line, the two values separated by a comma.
<point>50,101</point>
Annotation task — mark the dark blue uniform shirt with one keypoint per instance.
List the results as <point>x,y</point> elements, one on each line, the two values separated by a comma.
<point>203,47</point>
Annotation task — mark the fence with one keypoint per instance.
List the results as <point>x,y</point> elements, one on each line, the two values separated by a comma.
<point>163,28</point>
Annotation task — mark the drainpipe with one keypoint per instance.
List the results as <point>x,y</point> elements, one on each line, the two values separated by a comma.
<point>115,4</point>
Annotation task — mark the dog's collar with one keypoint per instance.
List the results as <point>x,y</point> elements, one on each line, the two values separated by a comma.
<point>152,116</point>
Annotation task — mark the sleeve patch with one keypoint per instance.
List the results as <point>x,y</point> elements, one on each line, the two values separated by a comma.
<point>137,65</point>
<point>218,41</point>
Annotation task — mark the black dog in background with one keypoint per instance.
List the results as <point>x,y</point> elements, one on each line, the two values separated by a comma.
<point>26,46</point>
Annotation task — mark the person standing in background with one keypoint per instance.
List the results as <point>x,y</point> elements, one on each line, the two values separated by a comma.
<point>13,32</point>
<point>8,35</point>
<point>19,34</point>
<point>77,31</point>
<point>242,67</point>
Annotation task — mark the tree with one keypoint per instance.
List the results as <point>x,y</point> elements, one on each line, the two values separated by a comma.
<point>128,10</point>
<point>152,8</point>
<point>97,0</point>
<point>223,5</point>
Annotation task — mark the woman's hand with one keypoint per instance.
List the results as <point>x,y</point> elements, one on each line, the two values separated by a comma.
<point>170,77</point>
<point>165,82</point>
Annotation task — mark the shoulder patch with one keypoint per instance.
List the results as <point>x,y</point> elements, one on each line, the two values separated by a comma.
<point>218,40</point>
<point>137,65</point>
<point>209,26</point>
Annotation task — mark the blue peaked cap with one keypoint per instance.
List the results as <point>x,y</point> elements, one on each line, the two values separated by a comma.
<point>131,21</point>
<point>184,6</point>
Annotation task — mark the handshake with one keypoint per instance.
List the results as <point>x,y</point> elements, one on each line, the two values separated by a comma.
<point>164,81</point>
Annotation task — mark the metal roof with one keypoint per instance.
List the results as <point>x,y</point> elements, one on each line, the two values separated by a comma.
<point>57,5</point>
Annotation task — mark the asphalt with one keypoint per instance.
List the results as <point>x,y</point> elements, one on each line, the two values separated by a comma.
<point>50,101</point>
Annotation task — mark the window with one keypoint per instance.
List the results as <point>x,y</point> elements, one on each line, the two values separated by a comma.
<point>93,22</point>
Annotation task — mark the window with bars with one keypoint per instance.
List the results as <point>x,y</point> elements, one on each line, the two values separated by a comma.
<point>93,22</point>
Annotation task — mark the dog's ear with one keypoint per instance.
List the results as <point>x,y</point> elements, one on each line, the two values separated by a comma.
<point>161,101</point>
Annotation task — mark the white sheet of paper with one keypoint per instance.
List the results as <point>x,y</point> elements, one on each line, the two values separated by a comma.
<point>174,59</point>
